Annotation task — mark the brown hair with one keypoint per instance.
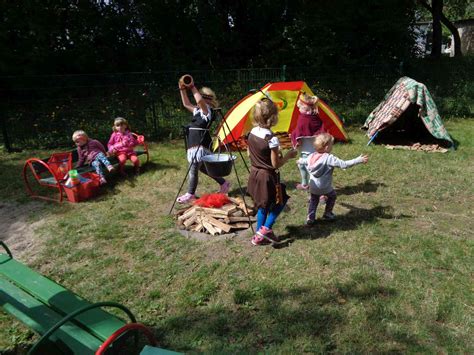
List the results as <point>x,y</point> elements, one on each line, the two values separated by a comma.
<point>322,141</point>
<point>121,121</point>
<point>265,114</point>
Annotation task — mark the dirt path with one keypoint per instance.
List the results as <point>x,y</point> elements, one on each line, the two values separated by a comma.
<point>17,229</point>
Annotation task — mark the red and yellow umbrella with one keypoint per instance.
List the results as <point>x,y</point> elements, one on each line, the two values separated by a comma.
<point>237,122</point>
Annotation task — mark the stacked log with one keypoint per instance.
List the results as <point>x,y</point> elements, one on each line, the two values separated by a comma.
<point>230,217</point>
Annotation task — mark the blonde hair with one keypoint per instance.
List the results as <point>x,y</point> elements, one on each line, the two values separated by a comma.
<point>265,114</point>
<point>309,101</point>
<point>322,141</point>
<point>79,133</point>
<point>121,121</point>
<point>210,96</point>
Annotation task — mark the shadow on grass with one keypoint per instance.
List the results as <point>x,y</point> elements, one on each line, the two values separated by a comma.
<point>301,319</point>
<point>366,187</point>
<point>130,178</point>
<point>345,222</point>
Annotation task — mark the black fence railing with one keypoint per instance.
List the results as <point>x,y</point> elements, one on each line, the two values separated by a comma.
<point>43,111</point>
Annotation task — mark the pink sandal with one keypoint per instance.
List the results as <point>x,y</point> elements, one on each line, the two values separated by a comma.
<point>186,198</point>
<point>264,236</point>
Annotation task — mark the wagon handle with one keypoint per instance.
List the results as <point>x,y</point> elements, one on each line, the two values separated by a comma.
<point>6,249</point>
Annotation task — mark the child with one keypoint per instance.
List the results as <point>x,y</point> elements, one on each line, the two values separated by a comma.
<point>121,144</point>
<point>91,151</point>
<point>266,159</point>
<point>321,165</point>
<point>198,138</point>
<point>309,125</point>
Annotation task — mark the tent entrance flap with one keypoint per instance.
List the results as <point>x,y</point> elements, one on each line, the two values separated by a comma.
<point>407,130</point>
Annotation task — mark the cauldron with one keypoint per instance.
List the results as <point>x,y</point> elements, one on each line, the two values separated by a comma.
<point>218,165</point>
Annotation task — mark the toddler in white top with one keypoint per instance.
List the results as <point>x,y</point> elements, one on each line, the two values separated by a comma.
<point>321,165</point>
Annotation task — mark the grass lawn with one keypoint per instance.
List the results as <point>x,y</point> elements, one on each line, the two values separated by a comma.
<point>394,272</point>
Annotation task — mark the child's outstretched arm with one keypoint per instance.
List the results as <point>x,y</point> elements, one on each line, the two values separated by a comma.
<point>344,164</point>
<point>278,160</point>
<point>184,98</point>
<point>199,100</point>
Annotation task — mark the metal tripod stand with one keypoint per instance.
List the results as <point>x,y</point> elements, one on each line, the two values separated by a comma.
<point>225,126</point>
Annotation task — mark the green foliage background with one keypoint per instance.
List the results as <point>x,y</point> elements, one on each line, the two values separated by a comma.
<point>77,65</point>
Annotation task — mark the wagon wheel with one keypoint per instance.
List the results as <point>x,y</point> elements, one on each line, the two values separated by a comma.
<point>125,329</point>
<point>35,171</point>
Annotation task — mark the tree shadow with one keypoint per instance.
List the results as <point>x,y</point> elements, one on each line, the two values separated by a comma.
<point>115,179</point>
<point>366,187</point>
<point>349,221</point>
<point>153,166</point>
<point>263,318</point>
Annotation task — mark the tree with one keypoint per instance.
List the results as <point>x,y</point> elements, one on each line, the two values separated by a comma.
<point>436,10</point>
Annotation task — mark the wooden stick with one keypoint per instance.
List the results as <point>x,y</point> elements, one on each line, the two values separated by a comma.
<point>187,214</point>
<point>224,227</point>
<point>240,225</point>
<point>198,227</point>
<point>209,227</point>
<point>213,211</point>
<point>190,221</point>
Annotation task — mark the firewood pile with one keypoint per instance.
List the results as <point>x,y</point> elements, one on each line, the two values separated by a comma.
<point>228,218</point>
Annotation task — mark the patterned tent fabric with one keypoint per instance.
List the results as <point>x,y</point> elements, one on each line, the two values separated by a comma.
<point>397,100</point>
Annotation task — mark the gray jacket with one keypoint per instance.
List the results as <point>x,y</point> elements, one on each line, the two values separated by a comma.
<point>321,167</point>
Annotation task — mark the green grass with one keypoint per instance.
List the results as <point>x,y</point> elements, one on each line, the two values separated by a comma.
<point>394,272</point>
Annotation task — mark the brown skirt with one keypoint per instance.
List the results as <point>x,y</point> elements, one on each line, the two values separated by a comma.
<point>261,187</point>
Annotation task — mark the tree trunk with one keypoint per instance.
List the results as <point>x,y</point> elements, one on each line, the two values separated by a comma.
<point>437,7</point>
<point>441,18</point>
<point>454,31</point>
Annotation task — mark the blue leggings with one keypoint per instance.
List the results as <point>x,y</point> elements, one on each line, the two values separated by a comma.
<point>96,163</point>
<point>267,217</point>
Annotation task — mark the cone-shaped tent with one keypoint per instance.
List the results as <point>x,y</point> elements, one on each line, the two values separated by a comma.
<point>284,95</point>
<point>408,113</point>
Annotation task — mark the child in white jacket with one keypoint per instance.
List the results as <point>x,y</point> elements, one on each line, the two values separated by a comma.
<point>321,165</point>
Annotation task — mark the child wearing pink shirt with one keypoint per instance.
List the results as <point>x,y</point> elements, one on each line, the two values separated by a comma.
<point>121,144</point>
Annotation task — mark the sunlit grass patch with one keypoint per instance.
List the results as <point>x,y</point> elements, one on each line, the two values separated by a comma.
<point>393,273</point>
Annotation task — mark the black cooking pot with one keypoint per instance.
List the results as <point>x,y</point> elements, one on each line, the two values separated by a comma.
<point>218,165</point>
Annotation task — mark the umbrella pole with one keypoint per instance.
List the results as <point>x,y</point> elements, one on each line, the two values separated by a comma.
<point>373,137</point>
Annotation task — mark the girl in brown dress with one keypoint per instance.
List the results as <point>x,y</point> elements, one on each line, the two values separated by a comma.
<point>266,159</point>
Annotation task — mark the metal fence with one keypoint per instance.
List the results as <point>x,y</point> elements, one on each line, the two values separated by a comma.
<point>43,111</point>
